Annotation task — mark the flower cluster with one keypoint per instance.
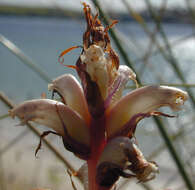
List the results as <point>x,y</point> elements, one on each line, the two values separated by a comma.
<point>95,120</point>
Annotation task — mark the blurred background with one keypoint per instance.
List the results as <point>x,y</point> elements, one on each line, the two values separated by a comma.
<point>155,37</point>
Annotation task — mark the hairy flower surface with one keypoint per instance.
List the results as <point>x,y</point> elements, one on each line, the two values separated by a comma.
<point>95,120</point>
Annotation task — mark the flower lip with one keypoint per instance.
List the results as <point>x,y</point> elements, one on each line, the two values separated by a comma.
<point>179,97</point>
<point>56,116</point>
<point>142,100</point>
<point>39,111</point>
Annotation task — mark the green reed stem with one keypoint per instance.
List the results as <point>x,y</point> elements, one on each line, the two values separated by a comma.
<point>163,47</point>
<point>173,62</point>
<point>159,123</point>
<point>24,58</point>
<point>171,59</point>
<point>159,149</point>
<point>174,154</point>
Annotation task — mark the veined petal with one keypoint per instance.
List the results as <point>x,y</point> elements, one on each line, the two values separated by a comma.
<point>124,74</point>
<point>142,100</point>
<point>54,115</point>
<point>71,91</point>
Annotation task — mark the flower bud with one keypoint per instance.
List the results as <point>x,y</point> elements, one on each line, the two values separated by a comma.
<point>95,61</point>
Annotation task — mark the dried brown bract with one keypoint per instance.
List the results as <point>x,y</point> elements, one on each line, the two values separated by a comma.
<point>122,157</point>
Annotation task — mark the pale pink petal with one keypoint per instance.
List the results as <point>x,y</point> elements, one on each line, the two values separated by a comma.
<point>142,100</point>
<point>124,74</point>
<point>54,115</point>
<point>128,129</point>
<point>72,93</point>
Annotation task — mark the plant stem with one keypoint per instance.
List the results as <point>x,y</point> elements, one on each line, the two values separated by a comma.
<point>158,122</point>
<point>97,130</point>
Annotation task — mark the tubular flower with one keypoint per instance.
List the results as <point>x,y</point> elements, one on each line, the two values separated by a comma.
<point>96,122</point>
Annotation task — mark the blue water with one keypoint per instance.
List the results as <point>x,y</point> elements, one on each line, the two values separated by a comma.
<point>42,40</point>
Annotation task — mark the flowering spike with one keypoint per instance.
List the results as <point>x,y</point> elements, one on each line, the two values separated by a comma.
<point>96,122</point>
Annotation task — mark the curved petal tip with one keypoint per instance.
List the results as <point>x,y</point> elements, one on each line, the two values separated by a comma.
<point>143,100</point>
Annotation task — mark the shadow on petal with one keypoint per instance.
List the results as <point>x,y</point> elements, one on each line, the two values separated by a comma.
<point>142,100</point>
<point>51,114</point>
<point>72,94</point>
<point>129,128</point>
